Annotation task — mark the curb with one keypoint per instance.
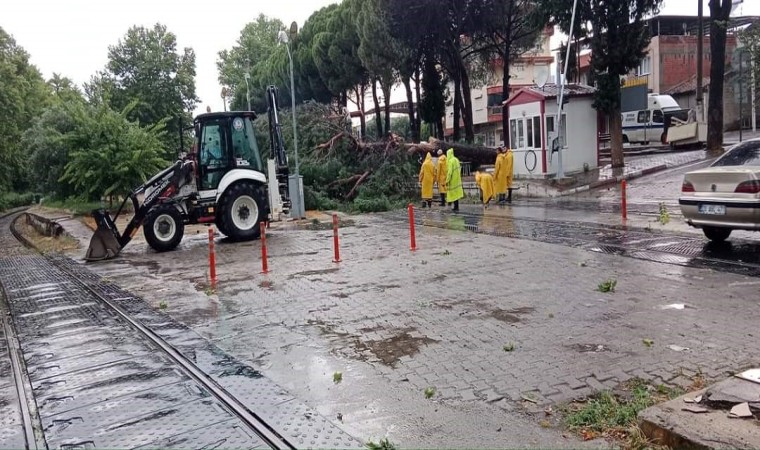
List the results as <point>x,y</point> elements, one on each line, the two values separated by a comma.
<point>629,176</point>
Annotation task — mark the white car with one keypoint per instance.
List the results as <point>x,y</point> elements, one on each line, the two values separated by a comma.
<point>726,195</point>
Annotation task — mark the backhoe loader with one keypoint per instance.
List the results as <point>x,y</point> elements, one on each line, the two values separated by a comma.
<point>223,181</point>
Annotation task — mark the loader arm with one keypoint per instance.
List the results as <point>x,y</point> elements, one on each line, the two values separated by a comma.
<point>107,242</point>
<point>279,155</point>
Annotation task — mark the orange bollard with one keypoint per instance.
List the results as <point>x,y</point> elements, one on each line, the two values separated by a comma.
<point>211,257</point>
<point>264,264</point>
<point>623,200</point>
<point>335,239</point>
<point>412,237</point>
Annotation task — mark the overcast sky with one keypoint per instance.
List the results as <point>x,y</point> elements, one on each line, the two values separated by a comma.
<point>71,37</point>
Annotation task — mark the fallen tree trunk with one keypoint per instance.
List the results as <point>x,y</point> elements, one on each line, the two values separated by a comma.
<point>465,152</point>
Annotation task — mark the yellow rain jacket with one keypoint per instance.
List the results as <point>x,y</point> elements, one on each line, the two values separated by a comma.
<point>454,190</point>
<point>485,183</point>
<point>509,166</point>
<point>427,177</point>
<point>440,175</point>
<point>500,175</point>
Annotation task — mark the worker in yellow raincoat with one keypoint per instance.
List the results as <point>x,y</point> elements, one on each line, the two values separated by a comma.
<point>440,176</point>
<point>500,176</point>
<point>484,181</point>
<point>509,166</point>
<point>454,189</point>
<point>427,178</point>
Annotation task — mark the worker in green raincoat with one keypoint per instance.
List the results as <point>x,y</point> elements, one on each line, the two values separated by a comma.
<point>454,190</point>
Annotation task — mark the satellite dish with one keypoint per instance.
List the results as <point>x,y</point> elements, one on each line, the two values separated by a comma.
<point>542,76</point>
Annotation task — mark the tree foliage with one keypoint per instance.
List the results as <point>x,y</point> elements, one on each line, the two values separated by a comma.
<point>618,38</point>
<point>23,95</point>
<point>146,72</point>
<point>109,155</point>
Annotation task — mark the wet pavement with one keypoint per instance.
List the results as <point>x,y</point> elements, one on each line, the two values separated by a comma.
<point>100,380</point>
<point>395,322</point>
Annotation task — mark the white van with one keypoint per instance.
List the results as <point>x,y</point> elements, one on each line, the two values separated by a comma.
<point>648,125</point>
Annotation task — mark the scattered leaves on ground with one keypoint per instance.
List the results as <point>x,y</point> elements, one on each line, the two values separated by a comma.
<point>607,286</point>
<point>162,305</point>
<point>510,347</point>
<point>648,342</point>
<point>446,253</point>
<point>664,216</point>
<point>429,392</point>
<point>337,377</point>
<point>384,444</point>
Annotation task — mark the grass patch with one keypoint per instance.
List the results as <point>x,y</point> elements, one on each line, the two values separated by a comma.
<point>10,200</point>
<point>46,244</point>
<point>79,207</point>
<point>614,415</point>
<point>664,216</point>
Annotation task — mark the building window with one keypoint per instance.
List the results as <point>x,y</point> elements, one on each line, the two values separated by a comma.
<point>551,132</point>
<point>645,66</point>
<point>537,131</point>
<point>530,133</point>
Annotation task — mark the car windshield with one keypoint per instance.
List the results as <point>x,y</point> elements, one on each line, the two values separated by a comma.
<point>746,154</point>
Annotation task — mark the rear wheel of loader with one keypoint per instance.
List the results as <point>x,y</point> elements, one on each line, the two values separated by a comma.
<point>163,228</point>
<point>241,211</point>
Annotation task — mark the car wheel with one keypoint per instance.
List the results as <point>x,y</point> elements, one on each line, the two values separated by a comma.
<point>717,234</point>
<point>164,228</point>
<point>241,209</point>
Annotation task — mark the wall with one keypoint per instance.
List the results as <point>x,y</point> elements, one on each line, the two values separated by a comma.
<point>581,136</point>
<point>521,111</point>
<point>675,59</point>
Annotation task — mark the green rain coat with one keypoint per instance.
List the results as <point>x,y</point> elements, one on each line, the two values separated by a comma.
<point>454,189</point>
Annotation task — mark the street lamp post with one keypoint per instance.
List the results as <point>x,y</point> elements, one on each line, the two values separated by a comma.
<point>247,87</point>
<point>284,39</point>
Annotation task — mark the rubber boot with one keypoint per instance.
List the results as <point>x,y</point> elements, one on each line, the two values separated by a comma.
<point>456,206</point>
<point>509,195</point>
<point>430,204</point>
<point>443,199</point>
<point>424,204</point>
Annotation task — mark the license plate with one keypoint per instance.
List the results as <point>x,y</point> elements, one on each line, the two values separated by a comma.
<point>714,210</point>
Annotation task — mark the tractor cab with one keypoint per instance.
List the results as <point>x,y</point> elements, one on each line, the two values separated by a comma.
<point>225,141</point>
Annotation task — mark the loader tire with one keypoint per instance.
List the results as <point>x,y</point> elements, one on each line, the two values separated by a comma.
<point>164,228</point>
<point>241,209</point>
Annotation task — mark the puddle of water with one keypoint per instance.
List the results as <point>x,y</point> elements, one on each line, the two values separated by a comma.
<point>511,315</point>
<point>588,348</point>
<point>313,272</point>
<point>674,306</point>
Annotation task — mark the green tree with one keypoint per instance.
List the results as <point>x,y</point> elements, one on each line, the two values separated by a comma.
<point>23,95</point>
<point>251,54</point>
<point>618,43</point>
<point>720,11</point>
<point>64,90</point>
<point>146,68</point>
<point>433,105</point>
<point>109,155</point>
<point>48,144</point>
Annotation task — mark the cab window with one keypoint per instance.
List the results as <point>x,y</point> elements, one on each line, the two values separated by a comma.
<point>657,116</point>
<point>212,146</point>
<point>643,116</point>
<point>245,151</point>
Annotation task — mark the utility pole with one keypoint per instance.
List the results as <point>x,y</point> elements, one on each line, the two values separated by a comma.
<point>700,57</point>
<point>561,95</point>
<point>741,93</point>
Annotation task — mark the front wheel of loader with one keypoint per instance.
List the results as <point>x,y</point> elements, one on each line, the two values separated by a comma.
<point>163,228</point>
<point>241,209</point>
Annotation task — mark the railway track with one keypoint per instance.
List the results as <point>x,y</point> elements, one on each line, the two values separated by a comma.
<point>96,367</point>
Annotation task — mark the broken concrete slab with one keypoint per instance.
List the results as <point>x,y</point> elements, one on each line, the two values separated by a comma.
<point>666,424</point>
<point>732,391</point>
<point>740,411</point>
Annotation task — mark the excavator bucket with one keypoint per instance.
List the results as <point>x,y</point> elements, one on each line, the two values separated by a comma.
<point>105,243</point>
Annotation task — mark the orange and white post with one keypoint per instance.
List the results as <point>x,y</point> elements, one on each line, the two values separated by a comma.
<point>264,262</point>
<point>211,257</point>
<point>412,236</point>
<point>623,199</point>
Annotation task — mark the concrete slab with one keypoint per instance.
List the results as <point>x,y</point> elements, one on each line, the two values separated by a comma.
<point>670,424</point>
